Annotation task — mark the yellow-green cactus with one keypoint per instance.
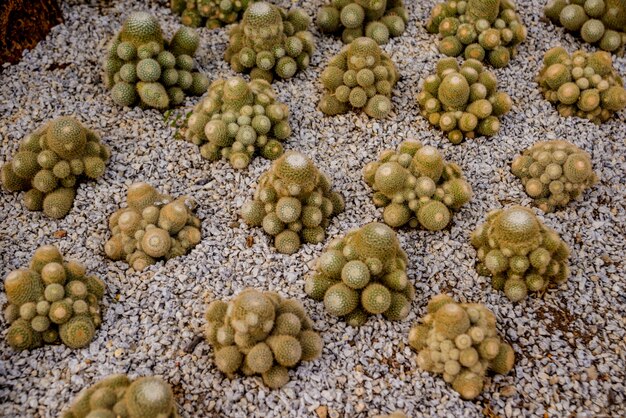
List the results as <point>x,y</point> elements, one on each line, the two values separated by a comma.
<point>210,13</point>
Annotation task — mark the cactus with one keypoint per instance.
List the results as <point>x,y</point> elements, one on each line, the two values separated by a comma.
<point>151,227</point>
<point>293,203</point>
<point>50,163</point>
<point>209,13</point>
<point>582,84</point>
<point>461,342</point>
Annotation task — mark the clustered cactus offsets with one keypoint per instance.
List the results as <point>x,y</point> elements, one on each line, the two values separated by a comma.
<point>485,30</point>
<point>237,119</point>
<point>583,84</point>
<point>293,202</point>
<point>460,341</point>
<point>270,42</point>
<point>143,68</point>
<point>554,173</point>
<point>376,19</point>
<point>463,101</point>
<point>363,274</point>
<point>152,227</point>
<point>50,163</point>
<point>210,13</point>
<point>52,300</point>
<point>519,253</point>
<point>360,76</point>
<point>261,333</point>
<point>416,186</point>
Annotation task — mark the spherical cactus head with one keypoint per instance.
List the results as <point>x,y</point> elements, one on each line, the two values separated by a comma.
<point>260,14</point>
<point>252,313</point>
<point>451,320</point>
<point>516,225</point>
<point>66,137</point>
<point>375,240</point>
<point>149,396</point>
<point>296,169</point>
<point>140,28</point>
<point>363,52</point>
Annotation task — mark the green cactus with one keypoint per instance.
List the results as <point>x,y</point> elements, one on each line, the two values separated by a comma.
<point>210,13</point>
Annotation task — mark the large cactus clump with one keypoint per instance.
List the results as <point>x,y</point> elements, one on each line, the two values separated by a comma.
<point>519,252</point>
<point>261,333</point>
<point>237,120</point>
<point>141,67</point>
<point>461,342</point>
<point>582,84</point>
<point>270,42</point>
<point>152,227</point>
<point>554,173</point>
<point>51,162</point>
<point>52,301</point>
<point>293,202</point>
<point>210,13</point>
<point>361,76</point>
<point>362,274</point>
<point>416,186</point>
<point>463,101</point>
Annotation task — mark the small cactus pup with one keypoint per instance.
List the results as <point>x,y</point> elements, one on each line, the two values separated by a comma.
<point>461,342</point>
<point>582,84</point>
<point>51,162</point>
<point>52,301</point>
<point>484,30</point>
<point>261,333</point>
<point>361,76</point>
<point>293,203</point>
<point>520,253</point>
<point>376,19</point>
<point>463,101</point>
<point>416,186</point>
<point>554,173</point>
<point>270,42</point>
<point>238,120</point>
<point>362,274</point>
<point>142,68</point>
<point>212,14</point>
<point>152,227</point>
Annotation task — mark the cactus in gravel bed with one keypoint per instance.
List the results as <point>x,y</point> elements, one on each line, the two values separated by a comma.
<point>238,120</point>
<point>463,101</point>
<point>210,13</point>
<point>50,163</point>
<point>519,252</point>
<point>461,342</point>
<point>261,333</point>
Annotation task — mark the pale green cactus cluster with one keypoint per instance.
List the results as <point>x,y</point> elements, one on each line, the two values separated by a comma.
<point>261,333</point>
<point>210,13</point>
<point>394,414</point>
<point>293,203</point>
<point>583,84</point>
<point>519,252</point>
<point>270,42</point>
<point>143,68</point>
<point>554,173</point>
<point>51,162</point>
<point>416,186</point>
<point>460,341</point>
<point>52,301</point>
<point>463,101</point>
<point>362,274</point>
<point>237,120</point>
<point>152,227</point>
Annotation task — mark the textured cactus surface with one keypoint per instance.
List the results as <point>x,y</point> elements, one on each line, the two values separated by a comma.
<point>210,13</point>
<point>51,162</point>
<point>461,342</point>
<point>152,227</point>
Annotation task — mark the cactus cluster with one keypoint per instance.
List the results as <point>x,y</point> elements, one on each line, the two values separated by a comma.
<point>52,300</point>
<point>485,30</point>
<point>361,76</point>
<point>362,274</point>
<point>375,19</point>
<point>461,342</point>
<point>554,173</point>
<point>237,119</point>
<point>141,67</point>
<point>152,227</point>
<point>51,161</point>
<point>210,13</point>
<point>270,41</point>
<point>463,101</point>
<point>582,84</point>
<point>119,396</point>
<point>293,202</point>
<point>519,253</point>
<point>416,186</point>
<point>261,333</point>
